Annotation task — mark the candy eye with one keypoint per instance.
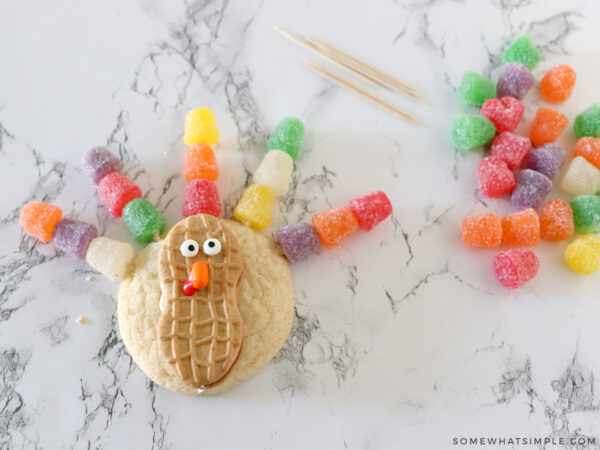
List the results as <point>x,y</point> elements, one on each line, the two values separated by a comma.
<point>211,247</point>
<point>189,248</point>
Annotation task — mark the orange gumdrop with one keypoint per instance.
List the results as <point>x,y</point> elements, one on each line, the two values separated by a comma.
<point>335,225</point>
<point>39,219</point>
<point>484,230</point>
<point>558,83</point>
<point>521,229</point>
<point>589,148</point>
<point>547,126</point>
<point>556,221</point>
<point>200,162</point>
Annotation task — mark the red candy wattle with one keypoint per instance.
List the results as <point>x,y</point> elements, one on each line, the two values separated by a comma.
<point>116,190</point>
<point>370,209</point>
<point>504,112</point>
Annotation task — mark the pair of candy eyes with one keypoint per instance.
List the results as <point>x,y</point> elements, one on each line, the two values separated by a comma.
<point>190,247</point>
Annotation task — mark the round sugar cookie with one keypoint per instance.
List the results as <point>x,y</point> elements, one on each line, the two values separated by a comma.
<point>265,301</point>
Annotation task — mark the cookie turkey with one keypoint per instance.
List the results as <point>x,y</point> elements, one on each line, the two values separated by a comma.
<point>200,331</point>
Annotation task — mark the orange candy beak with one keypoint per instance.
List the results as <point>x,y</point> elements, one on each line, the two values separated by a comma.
<point>198,278</point>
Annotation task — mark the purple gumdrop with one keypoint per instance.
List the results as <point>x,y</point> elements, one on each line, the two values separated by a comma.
<point>298,240</point>
<point>547,159</point>
<point>73,237</point>
<point>98,162</point>
<point>531,189</point>
<point>514,81</point>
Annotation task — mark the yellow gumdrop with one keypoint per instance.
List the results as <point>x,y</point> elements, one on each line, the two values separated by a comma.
<point>583,254</point>
<point>201,126</point>
<point>255,208</point>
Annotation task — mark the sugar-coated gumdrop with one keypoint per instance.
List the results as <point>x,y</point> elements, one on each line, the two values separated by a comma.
<point>255,208</point>
<point>201,197</point>
<point>475,89</point>
<point>583,254</point>
<point>39,219</point>
<point>494,178</point>
<point>547,126</point>
<point>558,83</point>
<point>586,213</point>
<point>200,162</point>
<point>547,159</point>
<point>515,266</point>
<point>288,136</point>
<point>98,162</point>
<point>521,50</point>
<point>521,229</point>
<point>73,237</point>
<point>109,257</point>
<point>116,190</point>
<point>298,240</point>
<point>515,80</point>
<point>144,221</point>
<point>531,189</point>
<point>201,126</point>
<point>556,221</point>
<point>275,171</point>
<point>469,132</point>
<point>484,230</point>
<point>511,148</point>
<point>589,148</point>
<point>588,122</point>
<point>581,177</point>
<point>505,112</point>
<point>370,209</point>
<point>335,225</point>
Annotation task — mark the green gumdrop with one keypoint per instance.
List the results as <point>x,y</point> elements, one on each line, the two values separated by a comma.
<point>586,213</point>
<point>143,220</point>
<point>287,137</point>
<point>476,89</point>
<point>521,50</point>
<point>588,122</point>
<point>469,132</point>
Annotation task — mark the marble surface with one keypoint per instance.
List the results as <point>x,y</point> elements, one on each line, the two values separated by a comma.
<point>406,342</point>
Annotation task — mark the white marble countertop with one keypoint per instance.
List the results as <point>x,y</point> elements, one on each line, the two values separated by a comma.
<point>408,342</point>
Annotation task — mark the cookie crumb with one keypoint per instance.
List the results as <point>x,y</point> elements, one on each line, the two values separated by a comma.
<point>80,320</point>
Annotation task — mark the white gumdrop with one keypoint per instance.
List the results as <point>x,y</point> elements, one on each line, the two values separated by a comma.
<point>109,257</point>
<point>581,177</point>
<point>275,172</point>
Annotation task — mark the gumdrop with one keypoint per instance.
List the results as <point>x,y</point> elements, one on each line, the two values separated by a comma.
<point>469,132</point>
<point>589,148</point>
<point>583,254</point>
<point>109,257</point>
<point>505,112</point>
<point>201,127</point>
<point>588,122</point>
<point>515,267</point>
<point>531,189</point>
<point>521,50</point>
<point>484,230</point>
<point>116,190</point>
<point>547,159</point>
<point>371,209</point>
<point>98,162</point>
<point>511,148</point>
<point>494,178</point>
<point>515,80</point>
<point>200,162</point>
<point>275,171</point>
<point>556,221</point>
<point>255,208</point>
<point>201,197</point>
<point>73,237</point>
<point>558,83</point>
<point>298,241</point>
<point>288,137</point>
<point>475,89</point>
<point>547,126</point>
<point>144,221</point>
<point>581,177</point>
<point>335,225</point>
<point>521,229</point>
<point>586,213</point>
<point>39,219</point>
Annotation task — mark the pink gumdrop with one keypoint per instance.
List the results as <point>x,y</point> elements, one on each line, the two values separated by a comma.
<point>515,266</point>
<point>494,177</point>
<point>505,112</point>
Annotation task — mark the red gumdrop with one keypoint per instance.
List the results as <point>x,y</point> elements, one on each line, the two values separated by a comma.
<point>494,177</point>
<point>504,112</point>
<point>371,209</point>
<point>116,190</point>
<point>515,266</point>
<point>201,197</point>
<point>511,148</point>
